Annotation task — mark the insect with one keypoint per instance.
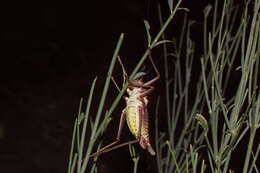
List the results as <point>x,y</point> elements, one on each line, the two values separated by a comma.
<point>135,114</point>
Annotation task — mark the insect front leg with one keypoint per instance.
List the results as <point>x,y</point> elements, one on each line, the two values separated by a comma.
<point>148,91</point>
<point>148,83</point>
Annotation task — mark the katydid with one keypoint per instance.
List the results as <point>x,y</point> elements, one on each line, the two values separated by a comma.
<point>135,114</point>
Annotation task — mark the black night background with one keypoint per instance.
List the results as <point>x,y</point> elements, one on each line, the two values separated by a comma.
<point>49,58</point>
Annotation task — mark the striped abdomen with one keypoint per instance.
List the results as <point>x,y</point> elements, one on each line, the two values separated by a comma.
<point>137,120</point>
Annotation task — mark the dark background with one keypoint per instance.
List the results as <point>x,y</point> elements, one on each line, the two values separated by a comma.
<point>49,57</point>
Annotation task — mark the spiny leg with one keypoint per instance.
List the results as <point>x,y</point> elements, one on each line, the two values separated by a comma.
<point>148,83</point>
<point>141,119</point>
<point>148,91</point>
<point>119,132</point>
<point>144,133</point>
<point>142,116</point>
<point>149,147</point>
<point>120,145</point>
<point>141,113</point>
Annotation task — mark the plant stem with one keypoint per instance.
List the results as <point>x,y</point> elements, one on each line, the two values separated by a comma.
<point>249,149</point>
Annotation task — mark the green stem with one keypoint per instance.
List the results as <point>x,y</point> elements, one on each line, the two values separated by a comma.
<point>85,123</point>
<point>72,147</point>
<point>249,149</point>
<point>116,101</point>
<point>102,101</point>
<point>155,40</point>
<point>136,164</point>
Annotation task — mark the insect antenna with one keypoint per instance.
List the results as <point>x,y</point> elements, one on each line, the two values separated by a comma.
<point>125,76</point>
<point>114,82</point>
<point>152,68</point>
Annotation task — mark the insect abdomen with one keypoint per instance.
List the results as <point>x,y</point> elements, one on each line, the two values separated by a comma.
<point>132,119</point>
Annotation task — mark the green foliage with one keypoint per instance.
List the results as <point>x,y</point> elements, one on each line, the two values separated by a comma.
<point>179,151</point>
<point>212,124</point>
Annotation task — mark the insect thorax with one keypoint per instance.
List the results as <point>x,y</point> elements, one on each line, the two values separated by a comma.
<point>135,99</point>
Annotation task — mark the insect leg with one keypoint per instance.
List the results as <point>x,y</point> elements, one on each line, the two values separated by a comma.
<point>118,146</point>
<point>148,91</point>
<point>144,140</point>
<point>140,126</point>
<point>156,70</point>
<point>106,148</point>
<point>146,133</point>
<point>148,84</point>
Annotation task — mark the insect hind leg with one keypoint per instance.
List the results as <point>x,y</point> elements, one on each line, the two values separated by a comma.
<point>119,132</point>
<point>117,146</point>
